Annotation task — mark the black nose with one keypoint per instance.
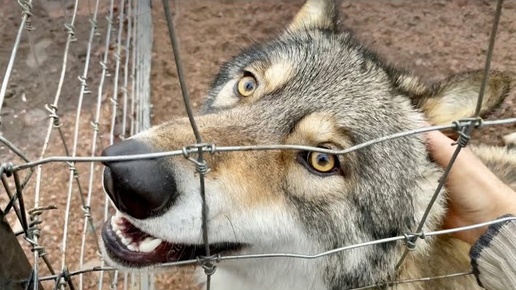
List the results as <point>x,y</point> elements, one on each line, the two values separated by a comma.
<point>140,188</point>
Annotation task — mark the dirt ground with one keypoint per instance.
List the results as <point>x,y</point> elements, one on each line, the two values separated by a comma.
<point>434,38</point>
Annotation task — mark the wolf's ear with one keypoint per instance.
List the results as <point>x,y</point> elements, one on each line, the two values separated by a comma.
<point>316,14</point>
<point>455,97</point>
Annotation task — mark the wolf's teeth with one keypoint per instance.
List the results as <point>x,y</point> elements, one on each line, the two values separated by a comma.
<point>114,224</point>
<point>132,247</point>
<point>149,244</point>
<point>117,223</point>
<point>126,241</point>
<point>119,234</point>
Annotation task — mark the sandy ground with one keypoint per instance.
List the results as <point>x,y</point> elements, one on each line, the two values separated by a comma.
<point>435,38</point>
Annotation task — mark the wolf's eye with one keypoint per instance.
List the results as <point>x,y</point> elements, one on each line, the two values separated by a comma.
<point>246,86</point>
<point>321,163</point>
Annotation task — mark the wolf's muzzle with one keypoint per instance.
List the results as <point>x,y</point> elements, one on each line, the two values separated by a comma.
<point>139,188</point>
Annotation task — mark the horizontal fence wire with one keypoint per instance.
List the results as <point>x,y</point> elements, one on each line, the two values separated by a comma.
<point>212,148</point>
<point>219,258</point>
<point>127,30</point>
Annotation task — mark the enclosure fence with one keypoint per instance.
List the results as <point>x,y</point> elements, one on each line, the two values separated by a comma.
<point>122,108</point>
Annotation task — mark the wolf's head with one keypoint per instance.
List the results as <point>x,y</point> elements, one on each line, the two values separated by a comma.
<point>313,85</point>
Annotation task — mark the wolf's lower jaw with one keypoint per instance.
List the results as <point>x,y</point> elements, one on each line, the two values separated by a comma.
<point>127,245</point>
<point>130,246</point>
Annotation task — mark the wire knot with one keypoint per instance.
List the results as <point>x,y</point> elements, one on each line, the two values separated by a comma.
<point>26,7</point>
<point>33,232</point>
<point>7,169</point>
<point>73,169</point>
<point>103,65</point>
<point>52,109</point>
<point>84,85</point>
<point>462,123</point>
<point>207,265</point>
<point>86,210</point>
<point>95,126</point>
<point>209,269</point>
<point>461,127</point>
<point>93,24</point>
<point>62,278</point>
<point>463,139</point>
<point>411,238</point>
<point>71,31</point>
<point>200,165</point>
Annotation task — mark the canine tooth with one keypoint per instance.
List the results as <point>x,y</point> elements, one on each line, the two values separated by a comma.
<point>118,219</point>
<point>119,234</point>
<point>149,244</point>
<point>114,224</point>
<point>126,241</point>
<point>132,247</point>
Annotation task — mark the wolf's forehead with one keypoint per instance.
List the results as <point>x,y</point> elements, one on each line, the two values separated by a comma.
<point>331,67</point>
<point>316,54</point>
<point>312,61</point>
<point>314,71</point>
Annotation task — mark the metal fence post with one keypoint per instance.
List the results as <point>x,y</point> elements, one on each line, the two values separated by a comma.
<point>14,265</point>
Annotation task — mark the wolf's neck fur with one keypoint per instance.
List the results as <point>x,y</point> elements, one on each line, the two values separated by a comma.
<point>444,257</point>
<point>271,274</point>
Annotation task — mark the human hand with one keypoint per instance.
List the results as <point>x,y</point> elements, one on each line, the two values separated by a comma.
<point>475,194</point>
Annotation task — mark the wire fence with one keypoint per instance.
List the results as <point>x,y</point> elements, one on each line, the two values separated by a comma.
<point>123,44</point>
<point>123,98</point>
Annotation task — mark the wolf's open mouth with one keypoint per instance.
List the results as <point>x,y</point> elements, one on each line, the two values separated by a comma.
<point>127,244</point>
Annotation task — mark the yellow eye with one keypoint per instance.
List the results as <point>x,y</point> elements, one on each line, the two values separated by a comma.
<point>322,162</point>
<point>246,86</point>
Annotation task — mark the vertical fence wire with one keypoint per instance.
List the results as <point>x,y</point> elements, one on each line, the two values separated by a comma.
<point>26,14</point>
<point>127,57</point>
<point>114,98</point>
<point>105,73</point>
<point>88,221</point>
<point>200,164</point>
<point>74,175</point>
<point>54,122</point>
<point>464,134</point>
<point>132,114</point>
<point>143,50</point>
<point>143,39</point>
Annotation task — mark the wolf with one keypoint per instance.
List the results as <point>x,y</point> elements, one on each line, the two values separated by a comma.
<point>314,85</point>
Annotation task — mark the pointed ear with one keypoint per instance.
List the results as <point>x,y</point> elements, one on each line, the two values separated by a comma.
<point>456,97</point>
<point>316,14</point>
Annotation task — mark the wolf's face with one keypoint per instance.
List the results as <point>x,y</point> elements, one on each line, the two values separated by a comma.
<point>314,85</point>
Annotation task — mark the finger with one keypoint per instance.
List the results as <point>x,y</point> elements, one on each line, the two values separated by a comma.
<point>440,147</point>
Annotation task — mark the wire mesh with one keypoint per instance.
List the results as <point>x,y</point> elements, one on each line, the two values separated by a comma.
<point>124,71</point>
<point>118,28</point>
